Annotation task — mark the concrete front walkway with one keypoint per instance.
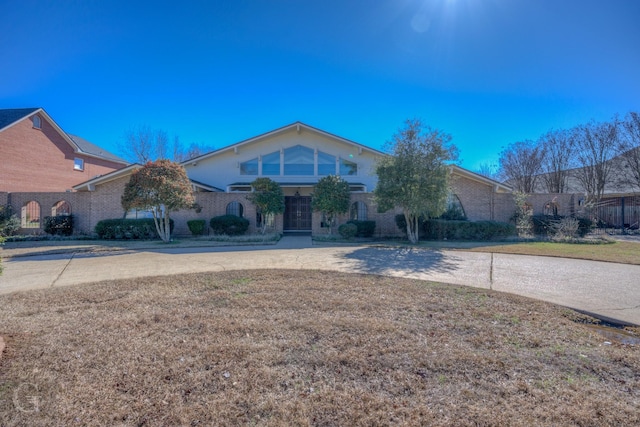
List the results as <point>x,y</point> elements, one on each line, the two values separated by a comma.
<point>607,290</point>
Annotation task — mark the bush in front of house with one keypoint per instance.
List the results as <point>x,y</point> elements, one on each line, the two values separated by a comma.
<point>128,229</point>
<point>9,222</point>
<point>348,230</point>
<point>196,226</point>
<point>231,225</point>
<point>365,228</point>
<point>59,225</point>
<point>439,229</point>
<point>548,225</point>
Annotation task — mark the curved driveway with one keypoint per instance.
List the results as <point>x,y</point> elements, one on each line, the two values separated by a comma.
<point>607,290</point>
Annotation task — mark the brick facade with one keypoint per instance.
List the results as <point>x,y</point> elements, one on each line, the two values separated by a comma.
<point>43,160</point>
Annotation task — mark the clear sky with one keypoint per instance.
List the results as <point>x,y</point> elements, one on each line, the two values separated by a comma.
<point>489,72</point>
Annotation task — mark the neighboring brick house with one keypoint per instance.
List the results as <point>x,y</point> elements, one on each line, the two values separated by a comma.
<point>36,155</point>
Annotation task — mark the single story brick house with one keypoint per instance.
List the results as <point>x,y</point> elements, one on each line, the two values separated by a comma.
<point>296,156</point>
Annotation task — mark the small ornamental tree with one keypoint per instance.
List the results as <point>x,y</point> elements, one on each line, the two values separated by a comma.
<point>331,196</point>
<point>415,177</point>
<point>161,187</point>
<point>268,197</point>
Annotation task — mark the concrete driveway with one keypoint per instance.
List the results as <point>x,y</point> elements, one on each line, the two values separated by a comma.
<point>607,290</point>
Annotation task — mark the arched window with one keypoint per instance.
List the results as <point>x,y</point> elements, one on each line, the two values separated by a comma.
<point>455,210</point>
<point>551,208</point>
<point>61,207</point>
<point>358,211</point>
<point>235,208</point>
<point>37,123</point>
<point>30,216</point>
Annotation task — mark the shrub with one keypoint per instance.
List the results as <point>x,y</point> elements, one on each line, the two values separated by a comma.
<point>59,225</point>
<point>565,228</point>
<point>348,230</point>
<point>196,226</point>
<point>454,213</point>
<point>231,225</point>
<point>546,225</point>
<point>437,229</point>
<point>128,229</point>
<point>365,228</point>
<point>9,222</point>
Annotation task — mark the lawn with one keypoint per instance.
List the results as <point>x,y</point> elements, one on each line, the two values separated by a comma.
<point>620,252</point>
<point>305,348</point>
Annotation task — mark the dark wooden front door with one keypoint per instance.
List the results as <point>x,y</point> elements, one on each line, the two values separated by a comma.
<point>297,213</point>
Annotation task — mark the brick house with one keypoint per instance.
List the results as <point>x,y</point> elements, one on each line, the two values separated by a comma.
<point>296,156</point>
<point>37,155</point>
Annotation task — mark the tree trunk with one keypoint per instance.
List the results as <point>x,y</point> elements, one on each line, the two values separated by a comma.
<point>412,227</point>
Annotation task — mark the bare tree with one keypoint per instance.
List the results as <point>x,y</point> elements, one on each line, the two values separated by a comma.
<point>559,154</point>
<point>488,170</point>
<point>142,145</point>
<point>180,154</point>
<point>630,148</point>
<point>596,143</point>
<point>520,165</point>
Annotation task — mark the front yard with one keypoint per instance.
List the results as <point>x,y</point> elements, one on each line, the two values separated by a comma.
<point>305,348</point>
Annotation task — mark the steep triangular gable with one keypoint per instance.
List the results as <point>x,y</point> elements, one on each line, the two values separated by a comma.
<point>298,126</point>
<point>10,117</point>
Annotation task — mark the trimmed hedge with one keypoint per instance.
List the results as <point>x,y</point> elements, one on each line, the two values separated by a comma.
<point>542,224</point>
<point>364,228</point>
<point>231,225</point>
<point>348,230</point>
<point>196,226</point>
<point>440,229</point>
<point>128,229</point>
<point>59,225</point>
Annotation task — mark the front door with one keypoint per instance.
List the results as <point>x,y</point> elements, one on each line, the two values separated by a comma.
<point>297,213</point>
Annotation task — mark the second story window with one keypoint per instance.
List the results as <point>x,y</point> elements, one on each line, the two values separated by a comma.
<point>37,123</point>
<point>78,164</point>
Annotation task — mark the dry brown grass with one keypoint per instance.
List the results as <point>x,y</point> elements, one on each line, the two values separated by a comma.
<point>304,348</point>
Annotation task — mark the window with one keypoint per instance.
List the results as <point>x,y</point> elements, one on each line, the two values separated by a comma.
<point>37,122</point>
<point>138,214</point>
<point>78,164</point>
<point>30,217</point>
<point>455,210</point>
<point>326,164</point>
<point>271,164</point>
<point>348,168</point>
<point>240,189</point>
<point>358,211</point>
<point>61,208</point>
<point>298,160</point>
<point>250,167</point>
<point>235,208</point>
<point>551,208</point>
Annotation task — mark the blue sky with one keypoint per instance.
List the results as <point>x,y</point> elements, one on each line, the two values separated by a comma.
<point>489,72</point>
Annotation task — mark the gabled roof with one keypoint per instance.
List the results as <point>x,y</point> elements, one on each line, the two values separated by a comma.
<point>498,187</point>
<point>8,117</point>
<point>90,148</point>
<point>298,126</point>
<point>101,179</point>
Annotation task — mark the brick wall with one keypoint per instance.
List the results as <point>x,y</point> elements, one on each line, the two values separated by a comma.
<point>42,160</point>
